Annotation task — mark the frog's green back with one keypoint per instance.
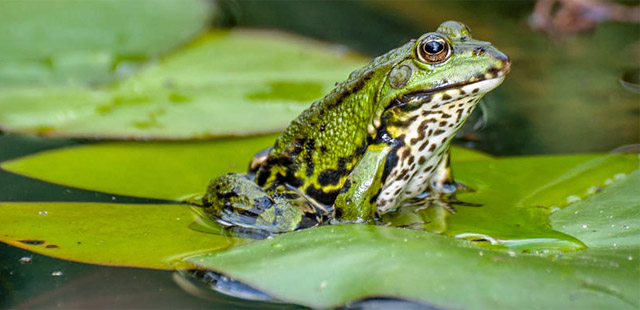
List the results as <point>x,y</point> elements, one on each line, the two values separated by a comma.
<point>323,144</point>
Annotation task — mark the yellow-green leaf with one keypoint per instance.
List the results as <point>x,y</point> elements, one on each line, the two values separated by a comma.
<point>136,235</point>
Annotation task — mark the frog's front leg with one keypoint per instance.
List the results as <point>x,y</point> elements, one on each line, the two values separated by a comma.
<point>235,200</point>
<point>442,181</point>
<point>356,201</point>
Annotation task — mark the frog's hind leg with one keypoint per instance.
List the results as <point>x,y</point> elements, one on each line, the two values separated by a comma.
<point>234,200</point>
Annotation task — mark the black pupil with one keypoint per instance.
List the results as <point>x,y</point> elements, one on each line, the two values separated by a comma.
<point>433,47</point>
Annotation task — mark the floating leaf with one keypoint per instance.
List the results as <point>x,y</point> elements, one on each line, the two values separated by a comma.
<point>138,235</point>
<point>162,170</point>
<point>67,41</point>
<point>327,267</point>
<point>609,220</point>
<point>516,197</point>
<point>227,83</point>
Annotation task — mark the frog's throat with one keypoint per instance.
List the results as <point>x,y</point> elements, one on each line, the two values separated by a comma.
<point>479,85</point>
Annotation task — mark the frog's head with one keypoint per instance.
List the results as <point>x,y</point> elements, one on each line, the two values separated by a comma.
<point>442,67</point>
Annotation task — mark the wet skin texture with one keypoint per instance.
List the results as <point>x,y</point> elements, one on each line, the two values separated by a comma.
<point>378,140</point>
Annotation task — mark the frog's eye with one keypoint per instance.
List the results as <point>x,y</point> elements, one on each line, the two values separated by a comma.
<point>433,50</point>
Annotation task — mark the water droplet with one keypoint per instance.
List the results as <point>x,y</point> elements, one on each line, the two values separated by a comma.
<point>601,211</point>
<point>573,198</point>
<point>584,226</point>
<point>178,219</point>
<point>113,197</point>
<point>576,212</point>
<point>43,212</point>
<point>26,260</point>
<point>625,226</point>
<point>57,273</point>
<point>405,240</point>
<point>630,257</point>
<point>512,253</point>
<point>481,253</point>
<point>619,176</point>
<point>615,245</point>
<point>323,284</point>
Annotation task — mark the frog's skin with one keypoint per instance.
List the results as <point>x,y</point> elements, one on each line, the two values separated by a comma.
<point>378,140</point>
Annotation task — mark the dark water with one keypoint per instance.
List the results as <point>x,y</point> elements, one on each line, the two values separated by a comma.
<point>563,96</point>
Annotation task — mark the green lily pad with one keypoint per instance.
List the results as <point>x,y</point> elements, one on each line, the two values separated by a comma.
<point>329,266</point>
<point>67,41</point>
<point>161,170</point>
<point>608,220</point>
<point>223,84</point>
<point>134,235</point>
<point>516,196</point>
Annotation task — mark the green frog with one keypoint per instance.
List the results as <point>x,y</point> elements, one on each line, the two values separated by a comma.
<point>378,140</point>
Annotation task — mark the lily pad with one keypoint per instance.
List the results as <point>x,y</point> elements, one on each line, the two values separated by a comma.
<point>608,220</point>
<point>161,170</point>
<point>327,267</point>
<point>518,194</point>
<point>226,83</point>
<point>67,41</point>
<point>134,235</point>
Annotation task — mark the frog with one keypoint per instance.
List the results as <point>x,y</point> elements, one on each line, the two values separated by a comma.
<point>378,141</point>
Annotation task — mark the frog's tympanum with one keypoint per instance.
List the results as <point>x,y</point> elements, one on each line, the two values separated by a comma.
<point>378,140</point>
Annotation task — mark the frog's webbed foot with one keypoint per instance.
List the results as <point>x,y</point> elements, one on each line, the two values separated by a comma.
<point>234,200</point>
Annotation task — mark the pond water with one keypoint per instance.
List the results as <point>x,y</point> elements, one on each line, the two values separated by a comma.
<point>563,96</point>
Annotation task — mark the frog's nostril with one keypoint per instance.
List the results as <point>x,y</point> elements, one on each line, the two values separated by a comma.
<point>506,65</point>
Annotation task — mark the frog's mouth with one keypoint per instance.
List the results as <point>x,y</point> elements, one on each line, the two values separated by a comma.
<point>479,84</point>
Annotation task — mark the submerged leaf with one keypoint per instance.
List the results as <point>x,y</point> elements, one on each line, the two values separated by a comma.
<point>227,83</point>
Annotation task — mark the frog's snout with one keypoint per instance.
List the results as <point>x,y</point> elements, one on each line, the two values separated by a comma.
<point>503,65</point>
<point>506,65</point>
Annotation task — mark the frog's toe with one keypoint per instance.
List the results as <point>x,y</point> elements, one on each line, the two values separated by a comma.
<point>461,187</point>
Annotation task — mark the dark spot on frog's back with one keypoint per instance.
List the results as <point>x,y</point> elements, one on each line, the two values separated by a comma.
<point>318,195</point>
<point>310,147</point>
<point>333,176</point>
<point>291,179</point>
